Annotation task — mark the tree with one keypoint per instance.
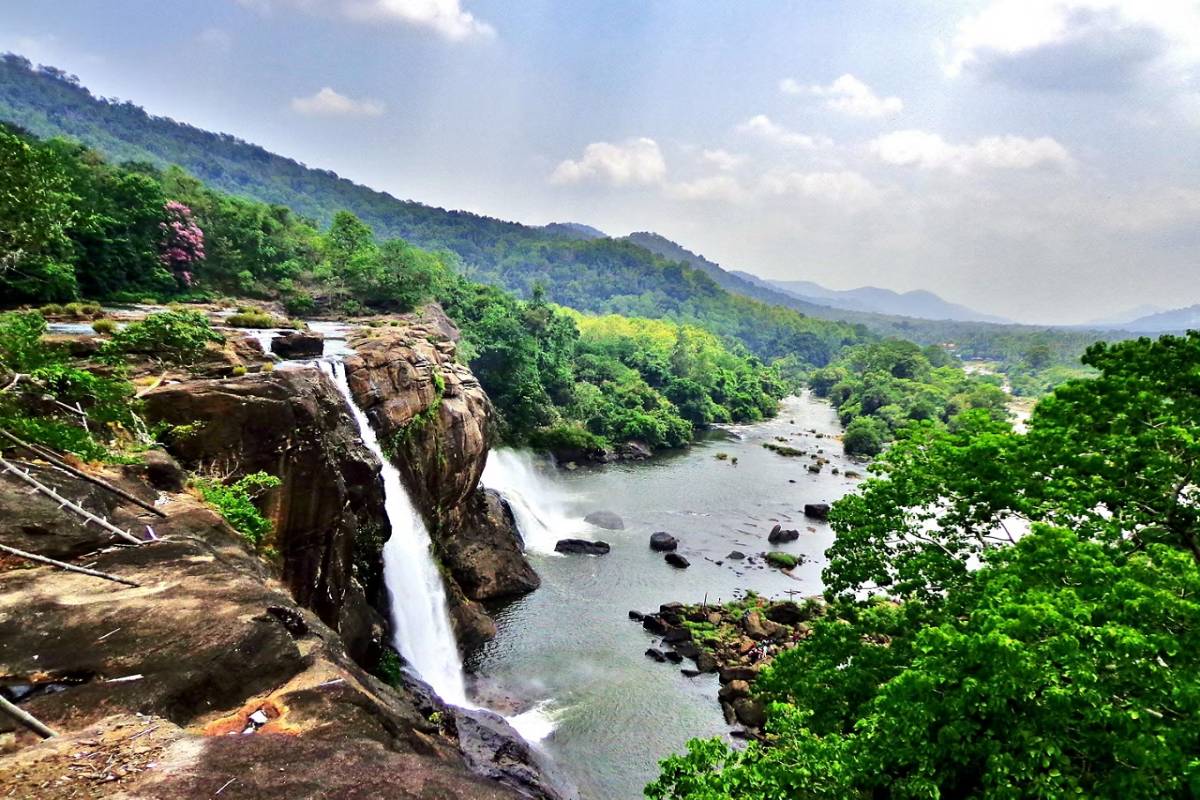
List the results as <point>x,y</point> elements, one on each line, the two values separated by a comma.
<point>182,243</point>
<point>864,437</point>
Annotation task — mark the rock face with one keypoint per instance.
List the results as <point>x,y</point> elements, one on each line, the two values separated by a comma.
<point>298,344</point>
<point>328,513</point>
<point>677,561</point>
<point>207,644</point>
<point>435,421</point>
<point>778,535</point>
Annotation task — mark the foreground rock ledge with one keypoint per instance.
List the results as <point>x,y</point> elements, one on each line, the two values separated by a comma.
<point>151,681</point>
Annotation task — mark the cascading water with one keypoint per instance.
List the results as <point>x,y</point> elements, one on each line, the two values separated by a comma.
<point>420,618</point>
<point>539,505</point>
<point>421,621</point>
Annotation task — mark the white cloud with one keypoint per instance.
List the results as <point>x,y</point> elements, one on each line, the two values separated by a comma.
<point>848,95</point>
<point>632,162</point>
<point>845,188</point>
<point>1065,44</point>
<point>723,159</point>
<point>725,188</point>
<point>915,148</point>
<point>762,127</point>
<point>328,103</point>
<point>446,17</point>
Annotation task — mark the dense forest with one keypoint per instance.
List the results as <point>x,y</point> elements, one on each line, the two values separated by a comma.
<point>1065,666</point>
<point>576,266</point>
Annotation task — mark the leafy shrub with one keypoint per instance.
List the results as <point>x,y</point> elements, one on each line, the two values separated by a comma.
<point>781,560</point>
<point>257,319</point>
<point>235,501</point>
<point>83,310</point>
<point>864,436</point>
<point>52,310</point>
<point>105,326</point>
<point>566,437</point>
<point>177,337</point>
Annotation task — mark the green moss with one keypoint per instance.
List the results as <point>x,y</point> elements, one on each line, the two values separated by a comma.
<point>782,560</point>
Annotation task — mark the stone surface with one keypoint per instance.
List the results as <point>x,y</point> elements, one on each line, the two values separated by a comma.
<point>208,644</point>
<point>582,547</point>
<point>328,512</point>
<point>298,344</point>
<point>486,558</point>
<point>778,535</point>
<point>677,561</point>
<point>663,542</point>
<point>605,519</point>
<point>817,510</point>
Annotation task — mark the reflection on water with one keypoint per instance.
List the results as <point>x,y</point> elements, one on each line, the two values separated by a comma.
<point>571,642</point>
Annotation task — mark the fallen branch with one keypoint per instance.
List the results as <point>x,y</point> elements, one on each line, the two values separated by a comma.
<point>25,718</point>
<point>78,509</point>
<point>78,473</point>
<point>64,565</point>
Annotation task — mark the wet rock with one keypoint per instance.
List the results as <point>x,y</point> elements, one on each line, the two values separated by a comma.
<point>745,673</point>
<point>677,561</point>
<point>786,613</point>
<point>636,616</point>
<point>749,712</point>
<point>817,510</point>
<point>689,673</point>
<point>485,553</point>
<point>759,628</point>
<point>673,656</point>
<point>779,535</point>
<point>730,714</point>
<point>674,635</point>
<point>705,661</point>
<point>493,750</point>
<point>687,649</point>
<point>655,624</point>
<point>634,451</point>
<point>663,542</point>
<point>733,690</point>
<point>298,344</point>
<point>582,547</point>
<point>605,519</point>
<point>736,555</point>
<point>656,655</point>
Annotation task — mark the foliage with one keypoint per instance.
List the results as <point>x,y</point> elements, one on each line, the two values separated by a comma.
<point>44,388</point>
<point>235,501</point>
<point>865,436</point>
<point>255,319</point>
<point>182,245</point>
<point>175,337</point>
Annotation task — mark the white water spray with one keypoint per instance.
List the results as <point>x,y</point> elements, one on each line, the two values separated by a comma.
<point>539,505</point>
<point>418,600</point>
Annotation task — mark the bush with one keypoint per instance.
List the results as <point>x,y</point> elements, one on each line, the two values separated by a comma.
<point>52,310</point>
<point>300,304</point>
<point>257,319</point>
<point>781,560</point>
<point>105,326</point>
<point>566,437</point>
<point>865,436</point>
<point>83,310</point>
<point>177,337</point>
<point>235,501</point>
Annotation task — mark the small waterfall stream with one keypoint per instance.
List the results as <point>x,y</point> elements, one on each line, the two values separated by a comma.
<point>539,505</point>
<point>421,622</point>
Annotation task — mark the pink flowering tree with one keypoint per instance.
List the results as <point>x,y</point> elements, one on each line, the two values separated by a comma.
<point>182,243</point>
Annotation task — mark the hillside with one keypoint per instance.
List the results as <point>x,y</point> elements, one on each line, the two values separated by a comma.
<point>917,303</point>
<point>1177,319</point>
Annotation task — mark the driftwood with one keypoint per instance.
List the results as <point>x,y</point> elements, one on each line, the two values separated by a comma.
<point>58,462</point>
<point>64,502</point>
<point>64,565</point>
<point>25,718</point>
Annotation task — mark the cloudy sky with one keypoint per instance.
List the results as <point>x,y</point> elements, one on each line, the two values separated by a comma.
<point>1038,159</point>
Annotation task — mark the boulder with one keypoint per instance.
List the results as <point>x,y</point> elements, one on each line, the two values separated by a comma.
<point>298,344</point>
<point>779,535</point>
<point>673,656</point>
<point>705,661</point>
<point>634,451</point>
<point>485,553</point>
<point>663,542</point>
<point>605,519</point>
<point>675,635</point>
<point>656,655</point>
<point>817,510</point>
<point>749,712</point>
<point>677,561</point>
<point>160,470</point>
<point>655,624</point>
<point>582,547</point>
<point>736,555</point>
<point>689,673</point>
<point>759,628</point>
<point>636,616</point>
<point>746,672</point>
<point>786,613</point>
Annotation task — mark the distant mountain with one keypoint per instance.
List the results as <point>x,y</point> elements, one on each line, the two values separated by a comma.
<point>1127,316</point>
<point>576,230</point>
<point>1179,319</point>
<point>918,303</point>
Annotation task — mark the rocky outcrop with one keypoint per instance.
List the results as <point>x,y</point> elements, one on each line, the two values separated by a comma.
<point>298,344</point>
<point>144,683</point>
<point>328,513</point>
<point>435,422</point>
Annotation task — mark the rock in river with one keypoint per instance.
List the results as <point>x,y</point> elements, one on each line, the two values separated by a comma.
<point>663,542</point>
<point>605,519</point>
<point>817,510</point>
<point>778,535</point>
<point>299,344</point>
<point>582,547</point>
<point>677,561</point>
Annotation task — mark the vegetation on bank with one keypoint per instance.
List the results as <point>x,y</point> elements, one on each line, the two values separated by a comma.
<point>1066,665</point>
<point>880,388</point>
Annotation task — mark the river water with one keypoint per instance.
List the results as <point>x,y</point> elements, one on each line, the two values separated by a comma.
<point>571,645</point>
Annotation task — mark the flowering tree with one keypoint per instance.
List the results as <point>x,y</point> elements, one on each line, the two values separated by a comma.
<point>182,244</point>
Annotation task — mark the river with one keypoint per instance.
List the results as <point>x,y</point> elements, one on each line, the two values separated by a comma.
<point>571,644</point>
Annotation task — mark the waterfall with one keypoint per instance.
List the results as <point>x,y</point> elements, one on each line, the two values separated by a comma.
<point>420,618</point>
<point>539,505</point>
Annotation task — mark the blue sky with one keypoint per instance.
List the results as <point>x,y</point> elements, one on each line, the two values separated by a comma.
<point>1032,158</point>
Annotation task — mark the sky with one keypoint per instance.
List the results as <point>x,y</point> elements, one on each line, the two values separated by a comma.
<point>1036,159</point>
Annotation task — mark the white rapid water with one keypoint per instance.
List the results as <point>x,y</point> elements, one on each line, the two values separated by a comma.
<point>418,600</point>
<point>420,618</point>
<point>538,504</point>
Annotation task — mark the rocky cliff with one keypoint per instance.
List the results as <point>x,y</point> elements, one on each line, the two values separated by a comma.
<point>147,684</point>
<point>435,422</point>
